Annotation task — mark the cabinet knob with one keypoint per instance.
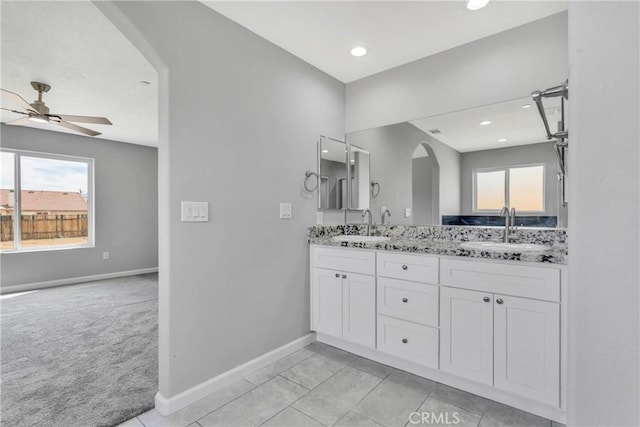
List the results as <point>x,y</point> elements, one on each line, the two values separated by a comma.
<point>404,340</point>
<point>405,266</point>
<point>405,300</point>
<point>499,301</point>
<point>338,275</point>
<point>344,276</point>
<point>486,299</point>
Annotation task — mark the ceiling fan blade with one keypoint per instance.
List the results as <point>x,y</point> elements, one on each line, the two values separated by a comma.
<point>20,121</point>
<point>76,128</point>
<point>19,100</point>
<point>84,119</point>
<point>14,111</point>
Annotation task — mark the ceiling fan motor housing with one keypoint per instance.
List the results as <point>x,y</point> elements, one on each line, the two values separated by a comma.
<point>38,105</point>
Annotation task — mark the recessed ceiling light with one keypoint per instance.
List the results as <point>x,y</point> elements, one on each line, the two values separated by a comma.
<point>358,51</point>
<point>145,83</point>
<point>325,151</point>
<point>476,4</point>
<point>526,106</point>
<point>486,122</point>
<point>502,140</point>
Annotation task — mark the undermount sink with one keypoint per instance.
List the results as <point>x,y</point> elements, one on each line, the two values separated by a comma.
<point>361,239</point>
<point>505,247</point>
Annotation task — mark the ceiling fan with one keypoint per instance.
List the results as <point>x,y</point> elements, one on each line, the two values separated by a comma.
<point>39,112</point>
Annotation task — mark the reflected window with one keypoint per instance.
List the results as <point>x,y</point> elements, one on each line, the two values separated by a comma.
<point>519,187</point>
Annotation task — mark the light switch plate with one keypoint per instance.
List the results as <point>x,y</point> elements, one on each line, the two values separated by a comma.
<point>194,211</point>
<point>407,212</point>
<point>319,218</point>
<point>285,211</point>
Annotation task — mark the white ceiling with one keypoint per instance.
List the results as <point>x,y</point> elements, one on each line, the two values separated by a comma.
<point>461,130</point>
<point>395,32</point>
<point>92,68</point>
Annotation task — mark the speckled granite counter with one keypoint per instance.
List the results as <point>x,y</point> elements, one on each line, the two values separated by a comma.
<point>446,240</point>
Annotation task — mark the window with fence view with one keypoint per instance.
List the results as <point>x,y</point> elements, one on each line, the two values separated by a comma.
<point>44,201</point>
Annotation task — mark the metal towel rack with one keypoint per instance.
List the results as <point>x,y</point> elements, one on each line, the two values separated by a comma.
<point>562,133</point>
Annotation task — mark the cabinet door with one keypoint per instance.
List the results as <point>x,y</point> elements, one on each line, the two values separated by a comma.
<point>359,309</point>
<point>527,348</point>
<point>466,334</point>
<point>327,302</point>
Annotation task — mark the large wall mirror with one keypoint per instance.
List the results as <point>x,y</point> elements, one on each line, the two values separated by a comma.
<point>344,177</point>
<point>460,168</point>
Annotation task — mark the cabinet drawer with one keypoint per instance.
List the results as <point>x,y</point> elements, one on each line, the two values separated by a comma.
<point>409,341</point>
<point>417,268</point>
<point>412,301</point>
<point>517,280</point>
<point>355,261</point>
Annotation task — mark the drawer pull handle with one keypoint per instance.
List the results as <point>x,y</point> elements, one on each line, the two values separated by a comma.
<point>405,300</point>
<point>338,275</point>
<point>344,276</point>
<point>404,340</point>
<point>405,266</point>
<point>486,299</point>
<point>499,301</point>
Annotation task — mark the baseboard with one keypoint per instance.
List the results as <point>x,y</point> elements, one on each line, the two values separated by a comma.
<point>170,405</point>
<point>74,280</point>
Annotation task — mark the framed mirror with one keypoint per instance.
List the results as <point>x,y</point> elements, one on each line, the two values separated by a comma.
<point>332,174</point>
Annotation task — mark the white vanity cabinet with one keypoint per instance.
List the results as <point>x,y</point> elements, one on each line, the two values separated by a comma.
<point>408,307</point>
<point>495,328</point>
<point>343,294</point>
<point>502,339</point>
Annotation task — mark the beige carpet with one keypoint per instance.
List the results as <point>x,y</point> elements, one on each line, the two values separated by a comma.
<point>81,355</point>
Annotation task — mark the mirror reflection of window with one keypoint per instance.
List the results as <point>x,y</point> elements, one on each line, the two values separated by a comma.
<point>519,187</point>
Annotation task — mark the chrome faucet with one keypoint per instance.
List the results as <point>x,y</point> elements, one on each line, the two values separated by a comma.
<point>509,223</point>
<point>367,211</point>
<point>386,213</point>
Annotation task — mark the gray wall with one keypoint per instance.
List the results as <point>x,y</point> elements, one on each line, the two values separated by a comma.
<point>604,214</point>
<point>501,67</point>
<point>521,155</point>
<point>391,149</point>
<point>126,209</point>
<point>243,120</point>
<point>422,191</point>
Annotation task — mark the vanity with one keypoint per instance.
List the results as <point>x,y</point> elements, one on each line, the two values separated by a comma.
<point>491,322</point>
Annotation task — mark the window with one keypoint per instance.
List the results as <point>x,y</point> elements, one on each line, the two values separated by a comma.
<point>519,187</point>
<point>52,196</point>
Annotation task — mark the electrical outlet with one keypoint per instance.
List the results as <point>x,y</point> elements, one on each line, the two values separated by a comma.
<point>105,255</point>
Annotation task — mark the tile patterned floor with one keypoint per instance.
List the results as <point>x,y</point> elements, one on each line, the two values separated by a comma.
<point>321,385</point>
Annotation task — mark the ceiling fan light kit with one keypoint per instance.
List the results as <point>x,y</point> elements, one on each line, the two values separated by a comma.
<point>38,112</point>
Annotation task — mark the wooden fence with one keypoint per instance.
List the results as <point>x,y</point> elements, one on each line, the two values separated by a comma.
<point>46,226</point>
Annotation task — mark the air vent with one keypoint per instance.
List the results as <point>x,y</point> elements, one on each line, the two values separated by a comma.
<point>435,131</point>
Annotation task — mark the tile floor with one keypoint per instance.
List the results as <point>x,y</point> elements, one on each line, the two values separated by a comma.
<point>321,385</point>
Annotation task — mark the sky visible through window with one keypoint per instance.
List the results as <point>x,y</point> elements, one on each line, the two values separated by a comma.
<point>45,174</point>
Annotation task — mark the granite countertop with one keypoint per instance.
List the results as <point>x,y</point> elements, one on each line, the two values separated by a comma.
<point>446,240</point>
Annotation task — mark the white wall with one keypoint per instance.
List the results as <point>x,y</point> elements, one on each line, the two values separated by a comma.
<point>604,189</point>
<point>243,120</point>
<point>126,209</point>
<point>501,67</point>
